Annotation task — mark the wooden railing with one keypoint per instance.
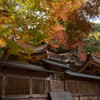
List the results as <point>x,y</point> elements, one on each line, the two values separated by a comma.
<point>15,86</point>
<point>40,86</point>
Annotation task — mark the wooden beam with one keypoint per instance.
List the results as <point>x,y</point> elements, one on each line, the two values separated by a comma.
<point>83,67</point>
<point>95,63</point>
<point>64,82</point>
<point>26,77</point>
<point>35,96</point>
<point>87,95</point>
<point>86,63</point>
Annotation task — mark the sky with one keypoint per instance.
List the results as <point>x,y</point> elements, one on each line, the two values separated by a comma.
<point>96,20</point>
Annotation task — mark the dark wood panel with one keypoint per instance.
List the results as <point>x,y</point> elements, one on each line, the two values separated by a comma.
<point>40,86</point>
<point>56,85</point>
<point>39,74</point>
<point>70,87</point>
<point>17,86</point>
<point>92,88</point>
<point>17,71</point>
<point>83,88</point>
<point>0,69</point>
<point>98,88</point>
<point>75,87</point>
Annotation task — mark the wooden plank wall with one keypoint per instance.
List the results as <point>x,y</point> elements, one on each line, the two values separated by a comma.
<point>82,90</point>
<point>35,86</point>
<point>83,87</point>
<point>56,85</point>
<point>17,86</point>
<point>20,87</point>
<point>40,86</point>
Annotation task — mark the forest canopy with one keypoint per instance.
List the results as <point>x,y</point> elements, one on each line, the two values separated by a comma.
<point>60,23</point>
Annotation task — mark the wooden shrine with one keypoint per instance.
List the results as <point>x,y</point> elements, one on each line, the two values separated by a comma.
<point>40,77</point>
<point>19,81</point>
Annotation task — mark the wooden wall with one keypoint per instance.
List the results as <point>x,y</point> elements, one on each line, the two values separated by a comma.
<point>56,85</point>
<point>17,86</point>
<point>80,90</point>
<point>83,87</point>
<point>83,90</point>
<point>21,84</point>
<point>76,87</point>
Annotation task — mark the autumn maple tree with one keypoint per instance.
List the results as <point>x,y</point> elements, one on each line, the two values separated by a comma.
<point>73,15</point>
<point>57,22</point>
<point>25,20</point>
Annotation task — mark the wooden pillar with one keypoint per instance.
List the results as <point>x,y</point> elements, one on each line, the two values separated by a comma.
<point>65,83</point>
<point>3,85</point>
<point>49,83</point>
<point>79,97</point>
<point>45,87</point>
<point>30,86</point>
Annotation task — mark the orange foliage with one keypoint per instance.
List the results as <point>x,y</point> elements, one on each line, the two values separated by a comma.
<point>60,39</point>
<point>62,8</point>
<point>81,53</point>
<point>68,10</point>
<point>2,43</point>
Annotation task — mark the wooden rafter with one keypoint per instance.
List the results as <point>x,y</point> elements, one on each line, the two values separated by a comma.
<point>84,66</point>
<point>94,63</point>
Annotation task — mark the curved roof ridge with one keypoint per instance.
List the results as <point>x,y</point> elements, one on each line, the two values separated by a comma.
<point>95,56</point>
